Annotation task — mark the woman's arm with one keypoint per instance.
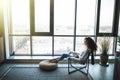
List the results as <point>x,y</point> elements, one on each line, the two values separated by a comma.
<point>75,53</point>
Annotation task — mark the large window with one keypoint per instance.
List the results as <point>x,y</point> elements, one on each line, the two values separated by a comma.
<point>106,16</point>
<point>42,15</point>
<point>53,27</point>
<point>63,44</point>
<point>21,45</point>
<point>86,12</point>
<point>20,17</point>
<point>42,45</point>
<point>19,27</point>
<point>64,13</point>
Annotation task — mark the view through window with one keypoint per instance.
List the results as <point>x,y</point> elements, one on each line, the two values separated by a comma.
<point>86,12</point>
<point>42,15</point>
<point>106,16</point>
<point>72,22</point>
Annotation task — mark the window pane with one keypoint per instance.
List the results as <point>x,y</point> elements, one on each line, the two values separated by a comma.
<point>21,44</point>
<point>80,44</point>
<point>86,17</point>
<point>106,16</point>
<point>20,17</point>
<point>64,17</point>
<point>42,45</point>
<point>63,44</point>
<point>118,44</point>
<point>119,26</point>
<point>99,47</point>
<point>118,38</point>
<point>42,15</point>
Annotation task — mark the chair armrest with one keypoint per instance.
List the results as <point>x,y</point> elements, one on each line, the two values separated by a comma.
<point>77,60</point>
<point>74,59</point>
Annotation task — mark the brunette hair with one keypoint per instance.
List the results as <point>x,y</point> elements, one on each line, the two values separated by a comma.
<point>90,44</point>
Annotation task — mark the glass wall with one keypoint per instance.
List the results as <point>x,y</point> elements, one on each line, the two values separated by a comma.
<point>42,45</point>
<point>20,17</point>
<point>106,16</point>
<point>64,17</point>
<point>63,44</point>
<point>42,15</point>
<point>86,14</point>
<point>69,20</point>
<point>21,45</point>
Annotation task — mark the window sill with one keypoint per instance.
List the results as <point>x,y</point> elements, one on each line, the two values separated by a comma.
<point>37,59</point>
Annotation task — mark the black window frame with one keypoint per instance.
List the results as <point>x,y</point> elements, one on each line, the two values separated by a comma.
<point>51,33</point>
<point>32,20</point>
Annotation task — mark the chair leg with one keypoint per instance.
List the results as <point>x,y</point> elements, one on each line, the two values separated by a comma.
<point>87,68</point>
<point>77,69</point>
<point>68,65</point>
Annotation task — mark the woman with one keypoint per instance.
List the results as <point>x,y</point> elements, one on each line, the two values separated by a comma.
<point>90,48</point>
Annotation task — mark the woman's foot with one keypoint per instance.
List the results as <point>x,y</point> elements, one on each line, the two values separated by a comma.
<point>53,60</point>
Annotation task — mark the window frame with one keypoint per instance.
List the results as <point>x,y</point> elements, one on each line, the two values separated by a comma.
<point>51,33</point>
<point>98,20</point>
<point>32,20</point>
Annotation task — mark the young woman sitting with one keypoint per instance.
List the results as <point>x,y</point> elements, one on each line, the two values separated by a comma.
<point>90,47</point>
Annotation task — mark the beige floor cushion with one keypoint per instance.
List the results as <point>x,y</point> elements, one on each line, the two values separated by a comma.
<point>46,65</point>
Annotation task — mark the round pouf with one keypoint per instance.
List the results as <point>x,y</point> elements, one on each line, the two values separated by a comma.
<point>46,65</point>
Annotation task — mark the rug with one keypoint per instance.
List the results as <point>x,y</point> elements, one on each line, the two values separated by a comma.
<point>35,73</point>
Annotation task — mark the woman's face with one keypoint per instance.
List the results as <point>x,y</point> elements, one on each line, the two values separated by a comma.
<point>85,42</point>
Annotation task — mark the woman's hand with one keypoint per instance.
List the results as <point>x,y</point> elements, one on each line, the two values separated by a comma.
<point>74,53</point>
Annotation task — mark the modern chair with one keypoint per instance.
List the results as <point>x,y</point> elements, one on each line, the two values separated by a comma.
<point>83,68</point>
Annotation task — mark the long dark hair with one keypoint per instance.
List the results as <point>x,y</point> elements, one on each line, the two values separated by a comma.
<point>90,44</point>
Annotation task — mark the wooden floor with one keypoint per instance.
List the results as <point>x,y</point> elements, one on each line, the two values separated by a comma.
<point>97,72</point>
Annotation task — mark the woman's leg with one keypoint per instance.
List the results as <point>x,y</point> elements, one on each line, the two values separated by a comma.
<point>59,58</point>
<point>63,56</point>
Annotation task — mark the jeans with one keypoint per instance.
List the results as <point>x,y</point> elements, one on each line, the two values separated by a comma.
<point>65,55</point>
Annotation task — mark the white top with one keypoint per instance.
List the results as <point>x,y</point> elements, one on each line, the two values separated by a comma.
<point>83,56</point>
